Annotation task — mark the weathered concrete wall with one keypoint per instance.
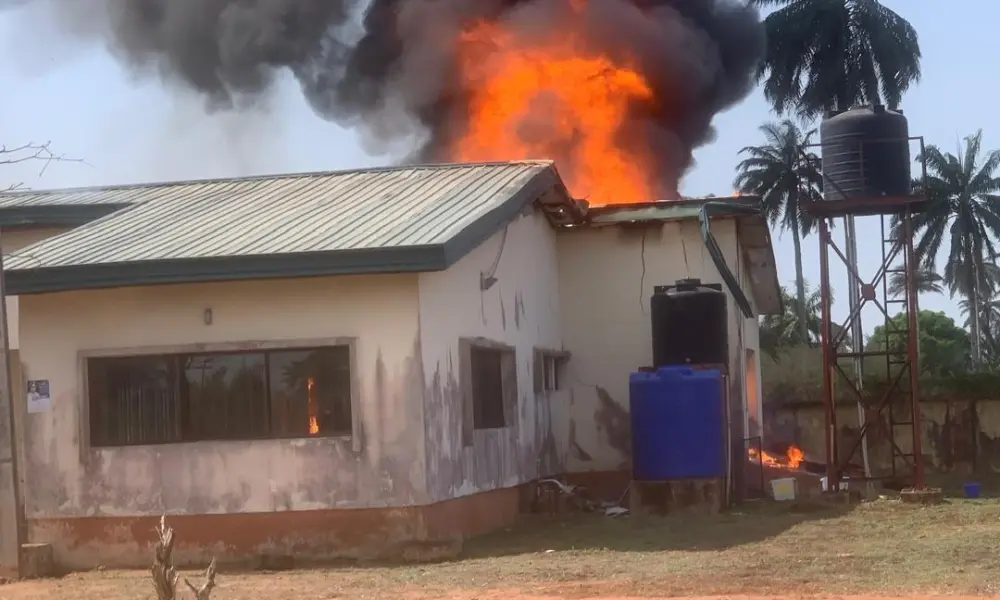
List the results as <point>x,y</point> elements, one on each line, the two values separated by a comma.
<point>12,240</point>
<point>520,310</point>
<point>384,467</point>
<point>606,278</point>
<point>958,435</point>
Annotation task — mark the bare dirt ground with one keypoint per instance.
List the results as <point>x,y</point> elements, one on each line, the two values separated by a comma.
<point>876,550</point>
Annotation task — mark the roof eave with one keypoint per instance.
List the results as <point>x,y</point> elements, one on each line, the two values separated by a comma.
<point>204,270</point>
<point>755,238</point>
<point>55,215</point>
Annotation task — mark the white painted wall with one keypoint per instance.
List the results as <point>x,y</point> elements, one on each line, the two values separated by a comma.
<point>606,277</point>
<point>66,478</point>
<point>583,290</point>
<point>522,310</point>
<point>11,241</point>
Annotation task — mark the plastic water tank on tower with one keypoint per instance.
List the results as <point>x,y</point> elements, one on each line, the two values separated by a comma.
<point>690,324</point>
<point>677,424</point>
<point>866,154</point>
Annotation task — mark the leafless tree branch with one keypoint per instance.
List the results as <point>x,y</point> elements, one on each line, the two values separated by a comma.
<point>12,155</point>
<point>203,592</point>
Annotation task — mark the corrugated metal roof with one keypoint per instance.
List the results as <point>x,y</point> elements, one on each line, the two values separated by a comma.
<point>324,212</point>
<point>62,208</point>
<point>126,194</point>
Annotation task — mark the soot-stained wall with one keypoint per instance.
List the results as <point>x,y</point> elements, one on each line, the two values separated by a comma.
<point>606,278</point>
<point>519,311</point>
<point>382,464</point>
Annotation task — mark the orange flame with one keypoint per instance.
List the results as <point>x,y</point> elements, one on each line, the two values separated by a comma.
<point>791,460</point>
<point>550,96</point>
<point>311,407</point>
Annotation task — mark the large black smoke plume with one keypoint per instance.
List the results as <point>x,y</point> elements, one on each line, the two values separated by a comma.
<point>386,65</point>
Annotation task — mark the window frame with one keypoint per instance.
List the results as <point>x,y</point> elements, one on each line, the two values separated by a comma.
<point>508,375</point>
<point>84,356</point>
<point>557,359</point>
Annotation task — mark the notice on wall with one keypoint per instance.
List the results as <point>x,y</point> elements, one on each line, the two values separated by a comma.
<point>39,398</point>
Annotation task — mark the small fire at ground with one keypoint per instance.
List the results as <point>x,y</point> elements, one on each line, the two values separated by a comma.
<point>555,95</point>
<point>792,458</point>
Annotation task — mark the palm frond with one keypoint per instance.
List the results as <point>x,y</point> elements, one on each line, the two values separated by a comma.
<point>821,54</point>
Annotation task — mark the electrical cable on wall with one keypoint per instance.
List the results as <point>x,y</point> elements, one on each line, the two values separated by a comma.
<point>642,275</point>
<point>488,278</point>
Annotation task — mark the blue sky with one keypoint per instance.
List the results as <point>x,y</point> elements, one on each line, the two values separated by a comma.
<point>129,129</point>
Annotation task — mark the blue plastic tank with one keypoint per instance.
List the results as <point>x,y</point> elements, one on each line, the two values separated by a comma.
<point>677,424</point>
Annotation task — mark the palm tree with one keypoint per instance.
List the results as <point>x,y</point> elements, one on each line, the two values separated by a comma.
<point>988,323</point>
<point>928,282</point>
<point>783,331</point>
<point>963,194</point>
<point>988,318</point>
<point>782,173</point>
<point>824,54</point>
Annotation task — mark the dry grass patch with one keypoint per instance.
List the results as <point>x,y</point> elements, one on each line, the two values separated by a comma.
<point>881,547</point>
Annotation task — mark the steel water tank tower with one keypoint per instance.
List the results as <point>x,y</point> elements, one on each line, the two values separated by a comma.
<point>866,159</point>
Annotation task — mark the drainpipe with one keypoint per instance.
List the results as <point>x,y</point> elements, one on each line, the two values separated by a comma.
<point>716,253</point>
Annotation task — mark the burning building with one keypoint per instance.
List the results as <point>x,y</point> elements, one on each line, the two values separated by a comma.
<point>294,364</point>
<point>343,363</point>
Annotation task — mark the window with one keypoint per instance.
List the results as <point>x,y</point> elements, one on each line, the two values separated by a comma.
<point>549,365</point>
<point>220,396</point>
<point>487,388</point>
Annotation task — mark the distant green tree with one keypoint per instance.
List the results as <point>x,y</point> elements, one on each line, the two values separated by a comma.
<point>945,348</point>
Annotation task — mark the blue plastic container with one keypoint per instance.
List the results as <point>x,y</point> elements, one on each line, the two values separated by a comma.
<point>972,489</point>
<point>677,424</point>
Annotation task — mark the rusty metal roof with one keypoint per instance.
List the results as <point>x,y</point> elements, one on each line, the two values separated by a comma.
<point>417,218</point>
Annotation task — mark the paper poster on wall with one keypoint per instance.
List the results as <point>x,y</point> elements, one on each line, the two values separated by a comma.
<point>39,399</point>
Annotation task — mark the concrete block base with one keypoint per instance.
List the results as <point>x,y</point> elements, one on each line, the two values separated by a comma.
<point>37,560</point>
<point>924,496</point>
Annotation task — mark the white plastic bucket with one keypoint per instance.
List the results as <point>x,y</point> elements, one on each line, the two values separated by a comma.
<point>783,489</point>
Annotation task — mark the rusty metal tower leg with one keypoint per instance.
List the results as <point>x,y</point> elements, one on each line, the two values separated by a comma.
<point>829,356</point>
<point>913,352</point>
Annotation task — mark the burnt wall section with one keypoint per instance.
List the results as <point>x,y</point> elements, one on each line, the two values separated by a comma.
<point>380,464</point>
<point>503,295</point>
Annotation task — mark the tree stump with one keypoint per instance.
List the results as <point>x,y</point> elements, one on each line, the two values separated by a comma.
<point>164,574</point>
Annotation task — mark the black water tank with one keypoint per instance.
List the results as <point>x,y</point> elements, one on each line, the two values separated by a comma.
<point>866,154</point>
<point>690,324</point>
